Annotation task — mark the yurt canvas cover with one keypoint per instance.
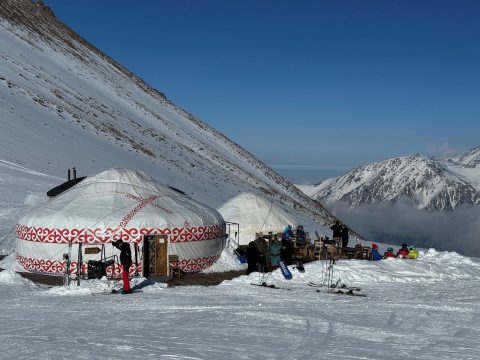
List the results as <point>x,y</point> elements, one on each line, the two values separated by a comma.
<point>119,204</point>
<point>254,214</point>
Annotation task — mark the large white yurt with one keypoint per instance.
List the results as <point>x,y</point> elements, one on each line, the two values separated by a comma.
<point>164,226</point>
<point>254,214</point>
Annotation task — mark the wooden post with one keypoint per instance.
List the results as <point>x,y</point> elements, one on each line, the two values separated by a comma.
<point>135,247</point>
<point>79,263</point>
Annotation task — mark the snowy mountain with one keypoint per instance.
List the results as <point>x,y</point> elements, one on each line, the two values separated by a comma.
<point>414,199</point>
<point>64,103</point>
<point>470,159</point>
<point>433,185</point>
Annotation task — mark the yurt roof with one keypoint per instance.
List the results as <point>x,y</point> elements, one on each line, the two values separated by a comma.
<point>254,214</point>
<point>121,198</point>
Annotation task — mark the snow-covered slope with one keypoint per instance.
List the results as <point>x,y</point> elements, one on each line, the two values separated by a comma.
<point>426,183</point>
<point>64,103</point>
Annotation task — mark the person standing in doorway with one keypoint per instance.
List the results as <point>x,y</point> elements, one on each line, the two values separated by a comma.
<point>126,261</point>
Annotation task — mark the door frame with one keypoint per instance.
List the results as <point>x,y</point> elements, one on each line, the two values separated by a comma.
<point>146,254</point>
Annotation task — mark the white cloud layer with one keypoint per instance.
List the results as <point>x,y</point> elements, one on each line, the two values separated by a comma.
<point>399,223</point>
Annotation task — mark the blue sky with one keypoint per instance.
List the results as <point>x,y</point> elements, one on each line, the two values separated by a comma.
<point>312,88</point>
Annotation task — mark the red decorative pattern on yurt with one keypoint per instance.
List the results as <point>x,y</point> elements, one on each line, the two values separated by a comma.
<point>54,267</point>
<point>131,214</point>
<point>131,235</point>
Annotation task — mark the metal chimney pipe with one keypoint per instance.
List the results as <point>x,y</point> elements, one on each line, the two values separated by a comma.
<point>68,174</point>
<point>74,173</point>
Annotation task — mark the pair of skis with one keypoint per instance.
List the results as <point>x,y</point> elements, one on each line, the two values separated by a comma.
<point>271,286</point>
<point>335,287</point>
<point>338,289</point>
<point>115,291</point>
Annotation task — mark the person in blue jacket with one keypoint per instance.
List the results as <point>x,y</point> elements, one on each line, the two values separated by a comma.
<point>300,233</point>
<point>375,254</point>
<point>288,233</point>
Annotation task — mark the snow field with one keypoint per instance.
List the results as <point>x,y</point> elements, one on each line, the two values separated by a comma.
<point>414,309</point>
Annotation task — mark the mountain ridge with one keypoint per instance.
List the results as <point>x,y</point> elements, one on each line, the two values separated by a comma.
<point>71,104</point>
<point>429,184</point>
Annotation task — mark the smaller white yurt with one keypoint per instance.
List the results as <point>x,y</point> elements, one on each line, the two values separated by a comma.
<point>254,214</point>
<point>165,227</point>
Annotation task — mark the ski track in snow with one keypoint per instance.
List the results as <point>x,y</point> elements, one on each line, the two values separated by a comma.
<point>23,169</point>
<point>410,312</point>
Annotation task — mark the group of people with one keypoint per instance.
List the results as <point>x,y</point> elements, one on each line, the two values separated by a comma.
<point>299,234</point>
<point>405,252</point>
<point>262,256</point>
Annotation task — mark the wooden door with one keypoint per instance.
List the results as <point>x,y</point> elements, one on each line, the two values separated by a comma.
<point>155,255</point>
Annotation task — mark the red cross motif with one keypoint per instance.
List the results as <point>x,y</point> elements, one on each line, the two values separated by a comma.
<point>136,209</point>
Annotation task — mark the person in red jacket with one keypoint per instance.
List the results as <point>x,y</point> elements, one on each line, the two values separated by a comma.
<point>403,252</point>
<point>389,253</point>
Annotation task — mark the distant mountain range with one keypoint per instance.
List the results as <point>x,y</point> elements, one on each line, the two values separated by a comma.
<point>426,183</point>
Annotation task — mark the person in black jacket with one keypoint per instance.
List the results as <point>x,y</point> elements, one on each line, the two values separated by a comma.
<point>253,258</point>
<point>286,252</point>
<point>337,230</point>
<point>344,235</point>
<point>126,261</point>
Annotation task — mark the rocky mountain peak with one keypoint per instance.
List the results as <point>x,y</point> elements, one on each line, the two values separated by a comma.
<point>470,159</point>
<point>426,183</point>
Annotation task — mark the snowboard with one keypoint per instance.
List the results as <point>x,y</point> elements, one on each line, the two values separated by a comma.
<point>285,272</point>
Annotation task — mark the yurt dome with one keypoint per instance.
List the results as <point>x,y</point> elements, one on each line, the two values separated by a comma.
<point>120,204</point>
<point>254,214</point>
